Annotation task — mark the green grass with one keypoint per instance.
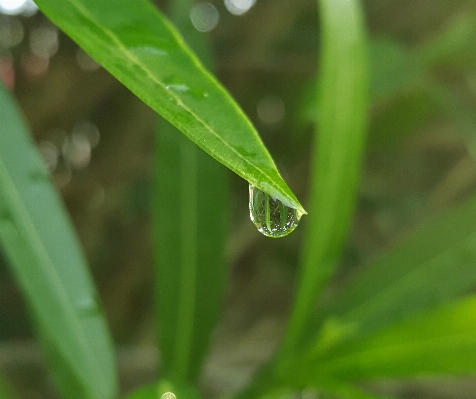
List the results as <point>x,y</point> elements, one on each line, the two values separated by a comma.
<point>406,313</point>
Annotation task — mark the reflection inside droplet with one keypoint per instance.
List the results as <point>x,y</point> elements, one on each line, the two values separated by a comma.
<point>270,216</point>
<point>168,395</point>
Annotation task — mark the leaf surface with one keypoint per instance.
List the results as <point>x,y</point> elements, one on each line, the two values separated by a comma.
<point>442,341</point>
<point>430,267</point>
<point>338,152</point>
<point>137,45</point>
<point>41,246</point>
<point>191,204</point>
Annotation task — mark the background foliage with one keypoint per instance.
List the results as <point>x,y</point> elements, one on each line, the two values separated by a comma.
<point>418,168</point>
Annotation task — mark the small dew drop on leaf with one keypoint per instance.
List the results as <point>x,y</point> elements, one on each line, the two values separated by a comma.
<point>270,216</point>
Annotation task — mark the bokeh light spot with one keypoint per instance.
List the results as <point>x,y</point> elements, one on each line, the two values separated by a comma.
<point>11,31</point>
<point>44,41</point>
<point>16,7</point>
<point>271,109</point>
<point>204,17</point>
<point>239,7</point>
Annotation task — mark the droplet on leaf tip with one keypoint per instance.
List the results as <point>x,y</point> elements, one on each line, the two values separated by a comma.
<point>270,216</point>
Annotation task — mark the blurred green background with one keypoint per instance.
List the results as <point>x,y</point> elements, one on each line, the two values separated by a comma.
<point>96,138</point>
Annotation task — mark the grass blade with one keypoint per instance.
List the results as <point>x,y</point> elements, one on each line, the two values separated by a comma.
<point>41,246</point>
<point>430,267</point>
<point>436,343</point>
<point>337,154</point>
<point>191,221</point>
<point>137,45</point>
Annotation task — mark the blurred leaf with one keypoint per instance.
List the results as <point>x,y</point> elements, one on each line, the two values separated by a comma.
<point>155,391</point>
<point>391,68</point>
<point>430,267</point>
<point>46,258</point>
<point>455,47</point>
<point>337,154</point>
<point>457,111</point>
<point>191,224</point>
<point>402,115</point>
<point>343,391</point>
<point>136,44</point>
<point>439,342</point>
<point>5,390</point>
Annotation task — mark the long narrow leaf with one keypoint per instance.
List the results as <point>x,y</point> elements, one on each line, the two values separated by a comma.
<point>39,242</point>
<point>338,152</point>
<point>430,267</point>
<point>440,342</point>
<point>135,43</point>
<point>192,212</point>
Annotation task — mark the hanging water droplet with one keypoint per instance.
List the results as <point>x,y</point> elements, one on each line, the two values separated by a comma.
<point>168,395</point>
<point>270,216</point>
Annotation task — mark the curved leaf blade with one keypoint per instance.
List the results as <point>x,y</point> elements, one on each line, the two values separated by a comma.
<point>440,342</point>
<point>39,242</point>
<point>431,267</point>
<point>137,45</point>
<point>338,153</point>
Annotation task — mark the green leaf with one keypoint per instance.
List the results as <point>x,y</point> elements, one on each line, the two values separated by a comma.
<point>454,47</point>
<point>439,342</point>
<point>191,221</point>
<point>430,267</point>
<point>43,251</point>
<point>6,391</point>
<point>155,391</point>
<point>191,205</point>
<point>337,155</point>
<point>137,45</point>
<point>343,391</point>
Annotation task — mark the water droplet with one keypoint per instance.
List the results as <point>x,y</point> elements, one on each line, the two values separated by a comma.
<point>168,395</point>
<point>270,216</point>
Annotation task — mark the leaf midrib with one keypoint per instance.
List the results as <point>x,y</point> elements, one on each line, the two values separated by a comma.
<point>86,14</point>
